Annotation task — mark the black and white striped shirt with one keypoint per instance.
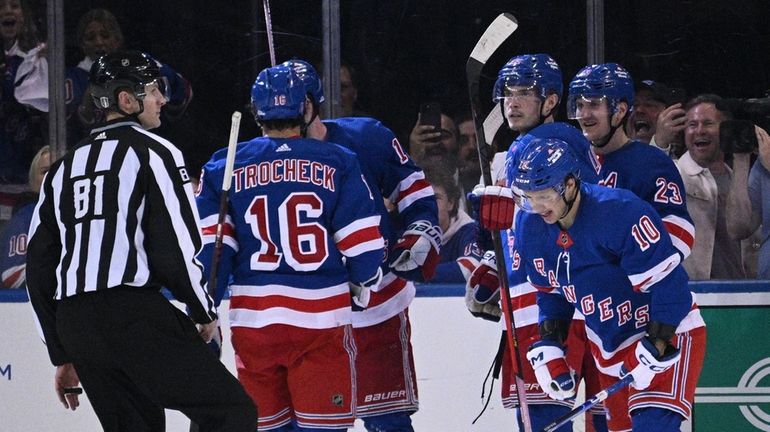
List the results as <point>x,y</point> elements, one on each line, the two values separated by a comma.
<point>117,211</point>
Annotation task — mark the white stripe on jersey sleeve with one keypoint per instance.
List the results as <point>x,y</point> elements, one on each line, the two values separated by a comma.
<point>405,184</point>
<point>682,242</point>
<point>358,235</point>
<point>643,281</point>
<point>209,231</point>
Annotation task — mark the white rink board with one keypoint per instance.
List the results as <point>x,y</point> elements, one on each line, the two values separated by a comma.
<point>453,352</point>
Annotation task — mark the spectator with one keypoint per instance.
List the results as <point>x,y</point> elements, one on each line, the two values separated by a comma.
<point>22,130</point>
<point>707,181</point>
<point>459,252</point>
<point>651,98</point>
<point>349,92</point>
<point>467,152</point>
<point>13,240</point>
<point>658,117</point>
<point>98,32</point>
<point>750,195</point>
<point>426,144</point>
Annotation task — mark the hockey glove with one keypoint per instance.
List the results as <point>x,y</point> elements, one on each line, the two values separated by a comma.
<point>644,363</point>
<point>416,254</point>
<point>360,292</point>
<point>482,291</point>
<point>553,373</point>
<point>494,205</point>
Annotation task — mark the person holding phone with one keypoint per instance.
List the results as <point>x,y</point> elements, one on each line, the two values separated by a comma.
<point>651,98</point>
<point>434,136</point>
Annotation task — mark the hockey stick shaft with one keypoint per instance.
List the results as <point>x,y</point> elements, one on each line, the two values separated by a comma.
<point>497,32</point>
<point>235,124</point>
<point>269,31</point>
<point>590,403</point>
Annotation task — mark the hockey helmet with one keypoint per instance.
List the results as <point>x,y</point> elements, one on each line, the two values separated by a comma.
<point>121,70</point>
<point>608,80</point>
<point>545,163</point>
<point>309,77</point>
<point>278,93</point>
<point>529,70</point>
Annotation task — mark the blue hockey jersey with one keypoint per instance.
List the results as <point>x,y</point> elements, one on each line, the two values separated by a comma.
<point>13,248</point>
<point>301,222</point>
<point>615,264</point>
<point>522,292</point>
<point>652,176</point>
<point>391,174</point>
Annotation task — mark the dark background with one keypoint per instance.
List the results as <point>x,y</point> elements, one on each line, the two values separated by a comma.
<point>409,51</point>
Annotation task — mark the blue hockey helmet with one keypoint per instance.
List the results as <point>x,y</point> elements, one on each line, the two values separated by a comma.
<point>608,80</point>
<point>545,163</point>
<point>278,93</point>
<point>580,146</point>
<point>529,70</point>
<point>309,77</point>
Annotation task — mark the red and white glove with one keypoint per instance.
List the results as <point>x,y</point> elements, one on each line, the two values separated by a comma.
<point>645,362</point>
<point>416,254</point>
<point>495,207</point>
<point>553,373</point>
<point>482,291</point>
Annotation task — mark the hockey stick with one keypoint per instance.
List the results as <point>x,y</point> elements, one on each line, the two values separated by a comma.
<point>590,403</point>
<point>235,125</point>
<point>501,28</point>
<point>269,30</point>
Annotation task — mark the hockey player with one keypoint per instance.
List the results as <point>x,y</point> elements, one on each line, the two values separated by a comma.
<point>625,278</point>
<point>528,90</point>
<point>385,376</point>
<point>600,98</point>
<point>301,236</point>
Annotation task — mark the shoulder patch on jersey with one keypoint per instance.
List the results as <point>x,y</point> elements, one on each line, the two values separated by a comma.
<point>283,148</point>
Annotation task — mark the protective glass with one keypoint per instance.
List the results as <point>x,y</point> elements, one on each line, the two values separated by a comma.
<point>579,106</point>
<point>533,202</point>
<point>519,92</point>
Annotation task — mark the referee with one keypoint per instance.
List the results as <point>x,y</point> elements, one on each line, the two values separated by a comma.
<point>115,221</point>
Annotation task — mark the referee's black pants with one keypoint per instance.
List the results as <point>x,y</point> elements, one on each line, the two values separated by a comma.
<point>136,354</point>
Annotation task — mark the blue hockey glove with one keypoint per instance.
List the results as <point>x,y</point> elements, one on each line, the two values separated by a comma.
<point>416,254</point>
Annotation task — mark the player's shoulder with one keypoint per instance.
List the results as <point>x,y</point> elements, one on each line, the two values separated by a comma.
<point>649,153</point>
<point>611,201</point>
<point>363,126</point>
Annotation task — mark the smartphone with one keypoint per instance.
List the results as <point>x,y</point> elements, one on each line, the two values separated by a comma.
<point>737,136</point>
<point>430,114</point>
<point>678,95</point>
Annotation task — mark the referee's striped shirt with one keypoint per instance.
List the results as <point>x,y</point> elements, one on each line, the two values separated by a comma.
<point>117,211</point>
